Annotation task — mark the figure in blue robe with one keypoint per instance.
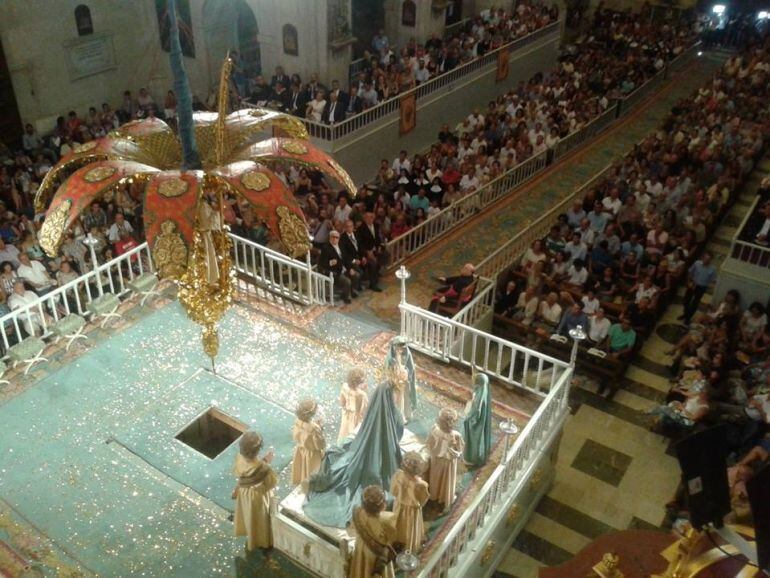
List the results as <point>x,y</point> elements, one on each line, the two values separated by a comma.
<point>399,359</point>
<point>477,426</point>
<point>370,458</point>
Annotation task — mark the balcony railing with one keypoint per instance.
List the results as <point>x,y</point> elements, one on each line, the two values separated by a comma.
<point>505,486</point>
<point>282,275</point>
<point>417,238</point>
<point>746,249</point>
<point>510,252</point>
<point>388,107</point>
<point>449,340</point>
<point>273,271</point>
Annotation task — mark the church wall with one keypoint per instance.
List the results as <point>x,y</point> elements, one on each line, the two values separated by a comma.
<point>41,44</point>
<point>427,21</point>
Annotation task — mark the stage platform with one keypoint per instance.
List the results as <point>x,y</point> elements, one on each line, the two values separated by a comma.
<point>94,477</point>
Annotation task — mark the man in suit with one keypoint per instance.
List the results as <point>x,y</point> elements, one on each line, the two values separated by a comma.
<point>355,104</point>
<point>452,287</point>
<point>372,246</point>
<point>332,262</point>
<point>351,248</point>
<point>342,96</point>
<point>296,101</point>
<point>279,76</point>
<point>261,91</point>
<point>334,111</point>
<point>281,95</point>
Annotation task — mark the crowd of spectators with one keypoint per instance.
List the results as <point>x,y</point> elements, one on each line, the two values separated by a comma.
<point>518,125</point>
<point>389,70</point>
<point>613,261</point>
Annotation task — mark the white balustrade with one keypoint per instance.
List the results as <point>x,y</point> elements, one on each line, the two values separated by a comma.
<point>450,340</point>
<point>508,482</point>
<point>391,106</point>
<point>280,274</point>
<point>37,318</point>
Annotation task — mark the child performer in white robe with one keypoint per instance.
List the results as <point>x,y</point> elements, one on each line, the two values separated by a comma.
<point>309,437</point>
<point>354,401</point>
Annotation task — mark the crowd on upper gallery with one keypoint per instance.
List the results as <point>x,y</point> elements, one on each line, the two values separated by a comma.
<point>390,70</point>
<point>524,122</point>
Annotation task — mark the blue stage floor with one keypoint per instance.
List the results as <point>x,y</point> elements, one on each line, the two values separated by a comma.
<point>89,457</point>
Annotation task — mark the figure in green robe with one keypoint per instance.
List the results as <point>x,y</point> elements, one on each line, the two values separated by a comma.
<point>477,426</point>
<point>370,458</point>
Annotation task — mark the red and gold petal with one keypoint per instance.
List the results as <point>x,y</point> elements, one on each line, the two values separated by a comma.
<point>170,203</point>
<point>84,186</point>
<point>107,148</point>
<point>266,193</point>
<point>155,138</point>
<point>298,152</point>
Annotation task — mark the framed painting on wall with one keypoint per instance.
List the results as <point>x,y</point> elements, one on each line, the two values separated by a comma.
<point>290,40</point>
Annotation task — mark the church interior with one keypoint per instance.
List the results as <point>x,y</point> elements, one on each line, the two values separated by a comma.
<point>379,288</point>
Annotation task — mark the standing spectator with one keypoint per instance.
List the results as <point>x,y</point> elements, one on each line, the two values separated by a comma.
<point>700,276</point>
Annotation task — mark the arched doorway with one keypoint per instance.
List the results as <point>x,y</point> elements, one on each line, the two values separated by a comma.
<point>231,25</point>
<point>248,40</point>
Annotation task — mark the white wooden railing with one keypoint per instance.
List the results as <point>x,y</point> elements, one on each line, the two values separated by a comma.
<point>450,340</point>
<point>37,318</point>
<point>510,252</point>
<point>263,267</point>
<point>504,487</point>
<point>280,274</point>
<point>391,106</point>
<point>417,238</point>
<point>480,306</point>
<point>747,250</point>
<point>589,131</point>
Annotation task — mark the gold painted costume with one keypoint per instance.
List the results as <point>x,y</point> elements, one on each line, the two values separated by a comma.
<point>445,449</point>
<point>411,493</point>
<point>256,480</point>
<point>375,535</point>
<point>309,450</point>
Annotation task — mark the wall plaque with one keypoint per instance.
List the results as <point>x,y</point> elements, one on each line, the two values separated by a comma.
<point>90,55</point>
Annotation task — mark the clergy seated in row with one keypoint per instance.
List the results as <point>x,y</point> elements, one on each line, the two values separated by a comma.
<point>452,288</point>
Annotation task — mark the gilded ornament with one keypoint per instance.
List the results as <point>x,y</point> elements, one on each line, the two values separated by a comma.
<point>169,252</point>
<point>99,174</point>
<point>344,176</point>
<point>256,181</point>
<point>53,228</point>
<point>512,516</point>
<point>489,550</point>
<point>293,231</point>
<point>85,147</point>
<point>608,566</point>
<point>294,147</point>
<point>173,187</point>
<point>257,112</point>
<point>537,477</point>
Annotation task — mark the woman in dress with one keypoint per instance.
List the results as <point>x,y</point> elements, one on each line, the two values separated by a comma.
<point>309,437</point>
<point>354,401</point>
<point>253,491</point>
<point>446,446</point>
<point>411,494</point>
<point>315,107</point>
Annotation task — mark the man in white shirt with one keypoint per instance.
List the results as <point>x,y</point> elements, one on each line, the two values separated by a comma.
<point>475,119</point>
<point>469,181</point>
<point>402,163</point>
<point>598,327</point>
<point>9,253</point>
<point>612,203</point>
<point>119,228</point>
<point>22,298</point>
<point>35,273</point>
<point>577,274</point>
<point>343,210</point>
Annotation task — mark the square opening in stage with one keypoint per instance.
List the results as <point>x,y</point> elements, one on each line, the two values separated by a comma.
<point>212,432</point>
